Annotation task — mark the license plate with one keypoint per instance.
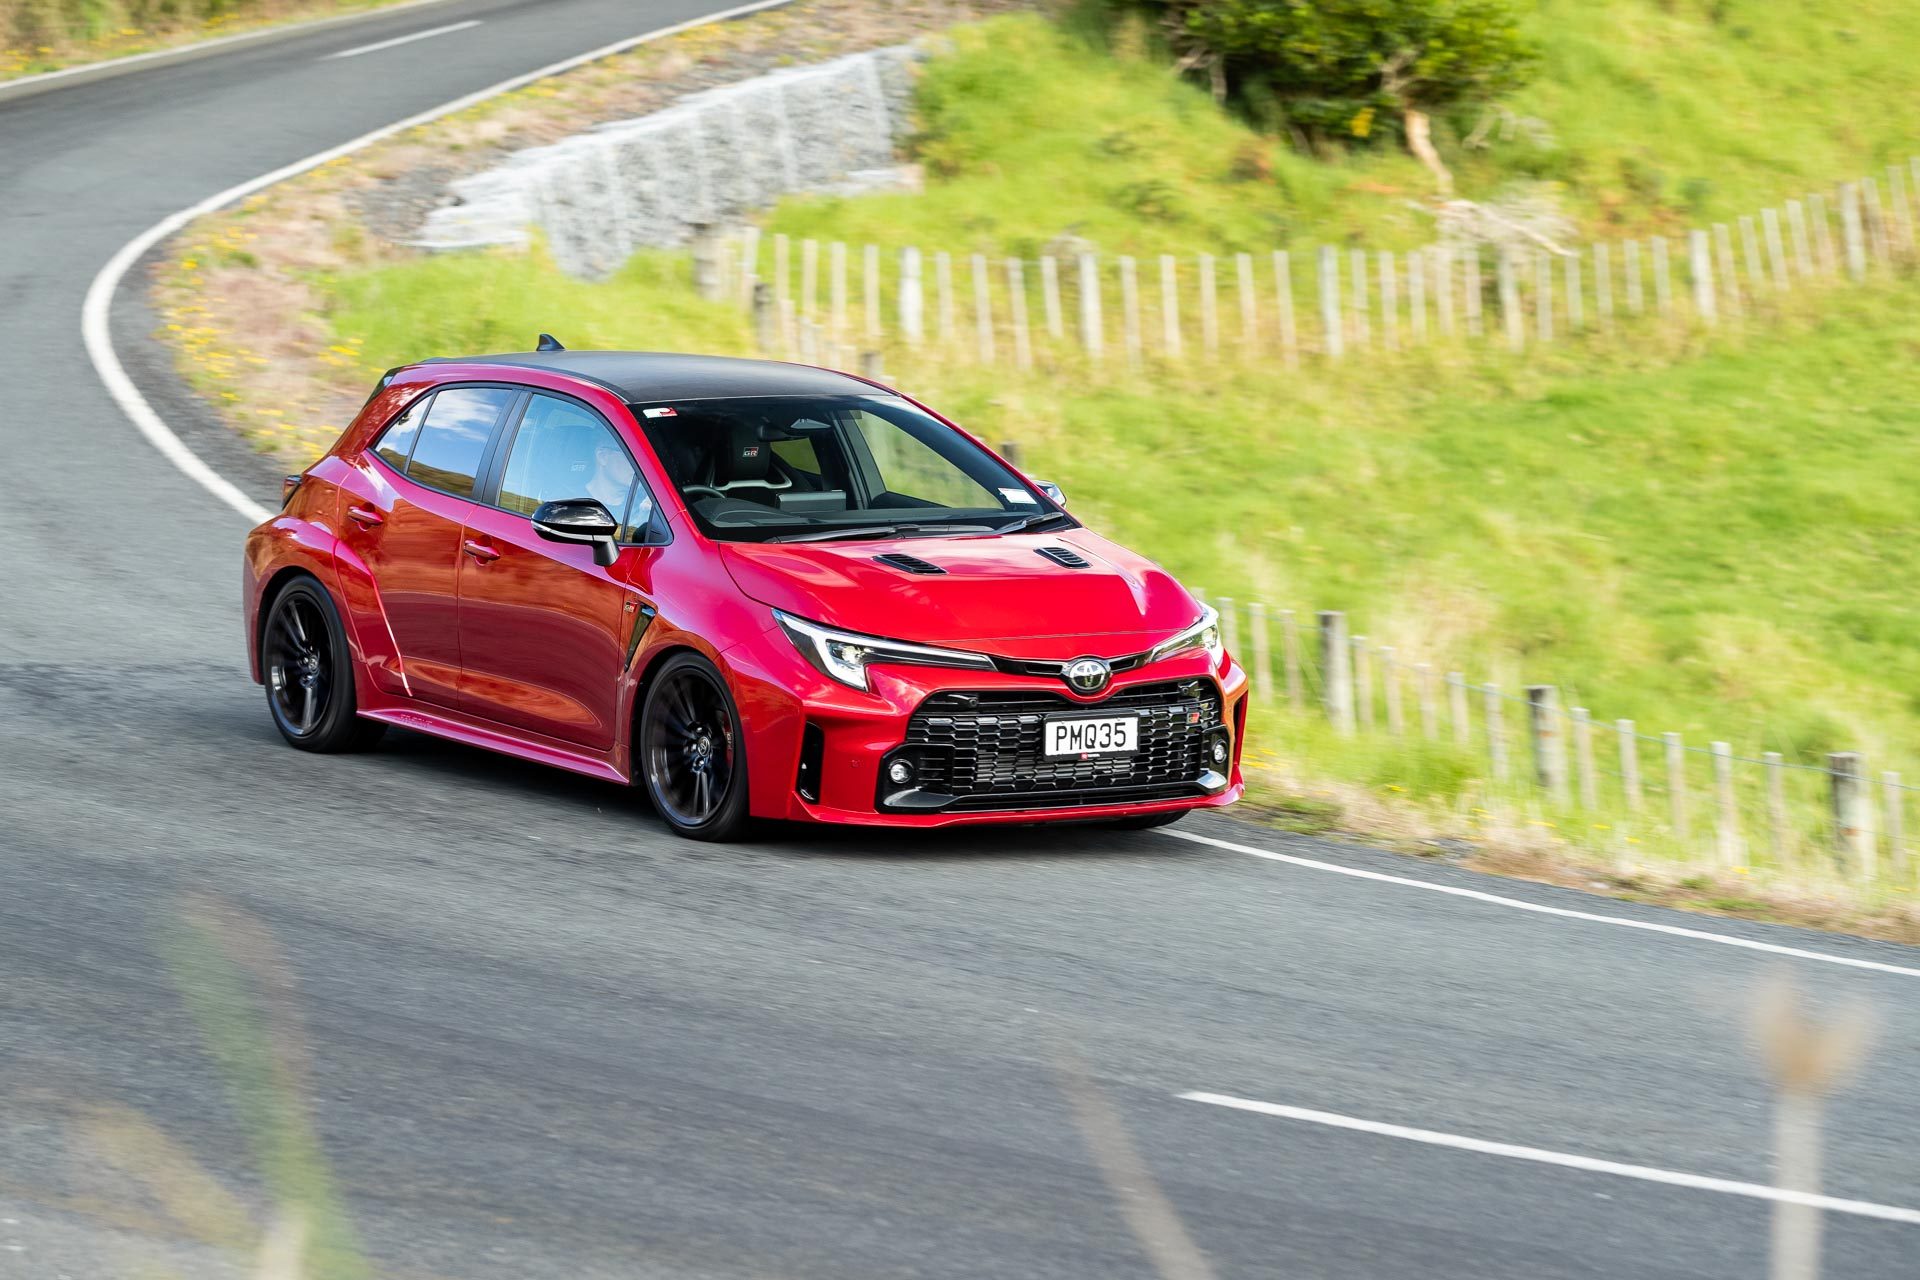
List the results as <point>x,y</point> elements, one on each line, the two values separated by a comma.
<point>1106,736</point>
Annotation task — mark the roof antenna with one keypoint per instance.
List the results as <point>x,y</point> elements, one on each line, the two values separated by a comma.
<point>549,343</point>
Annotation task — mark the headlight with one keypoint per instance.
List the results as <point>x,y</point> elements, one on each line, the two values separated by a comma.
<point>844,655</point>
<point>1204,634</point>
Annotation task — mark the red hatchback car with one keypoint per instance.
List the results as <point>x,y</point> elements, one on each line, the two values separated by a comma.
<point>764,590</point>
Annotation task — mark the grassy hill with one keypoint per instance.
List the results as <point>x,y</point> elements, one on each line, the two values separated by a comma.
<point>1716,539</point>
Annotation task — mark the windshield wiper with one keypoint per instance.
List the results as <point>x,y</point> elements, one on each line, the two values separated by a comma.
<point>1033,521</point>
<point>879,531</point>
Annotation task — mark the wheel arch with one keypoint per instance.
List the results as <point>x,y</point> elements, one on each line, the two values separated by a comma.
<point>270,591</point>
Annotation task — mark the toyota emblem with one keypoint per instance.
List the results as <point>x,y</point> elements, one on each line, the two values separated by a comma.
<point>1087,675</point>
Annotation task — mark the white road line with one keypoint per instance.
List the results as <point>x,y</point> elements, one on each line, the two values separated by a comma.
<point>1587,1164</point>
<point>96,327</point>
<point>1539,908</point>
<point>397,41</point>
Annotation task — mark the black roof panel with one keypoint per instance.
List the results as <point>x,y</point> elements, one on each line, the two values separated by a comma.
<point>645,377</point>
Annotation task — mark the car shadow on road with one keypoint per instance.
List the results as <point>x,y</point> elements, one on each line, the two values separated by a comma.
<point>522,782</point>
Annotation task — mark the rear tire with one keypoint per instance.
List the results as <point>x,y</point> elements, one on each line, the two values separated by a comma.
<point>692,754</point>
<point>309,672</point>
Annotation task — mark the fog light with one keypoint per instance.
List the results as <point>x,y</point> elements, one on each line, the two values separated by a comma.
<point>1219,750</point>
<point>900,773</point>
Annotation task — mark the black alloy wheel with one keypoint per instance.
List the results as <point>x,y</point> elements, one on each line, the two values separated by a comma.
<point>692,754</point>
<point>309,673</point>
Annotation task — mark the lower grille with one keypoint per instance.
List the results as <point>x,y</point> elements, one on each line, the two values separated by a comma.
<point>983,751</point>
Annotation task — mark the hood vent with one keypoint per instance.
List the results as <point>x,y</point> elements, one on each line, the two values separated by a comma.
<point>911,564</point>
<point>1063,555</point>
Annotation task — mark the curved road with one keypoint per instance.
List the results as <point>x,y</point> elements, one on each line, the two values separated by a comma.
<point>543,1039</point>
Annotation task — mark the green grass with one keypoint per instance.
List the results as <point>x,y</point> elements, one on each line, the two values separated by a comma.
<point>1656,112</point>
<point>45,35</point>
<point>1717,541</point>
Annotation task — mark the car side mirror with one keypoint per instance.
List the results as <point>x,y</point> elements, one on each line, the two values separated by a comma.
<point>1052,490</point>
<point>580,520</point>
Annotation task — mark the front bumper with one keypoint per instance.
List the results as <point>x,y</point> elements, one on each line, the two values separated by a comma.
<point>818,751</point>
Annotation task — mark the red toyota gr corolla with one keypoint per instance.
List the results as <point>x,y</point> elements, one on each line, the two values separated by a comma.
<point>764,590</point>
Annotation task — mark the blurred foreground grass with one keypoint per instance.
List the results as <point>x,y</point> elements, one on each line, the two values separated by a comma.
<point>45,35</point>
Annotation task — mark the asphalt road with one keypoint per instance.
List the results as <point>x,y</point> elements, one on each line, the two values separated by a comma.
<point>543,1039</point>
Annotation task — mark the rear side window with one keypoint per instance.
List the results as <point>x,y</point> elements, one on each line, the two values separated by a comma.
<point>453,440</point>
<point>396,442</point>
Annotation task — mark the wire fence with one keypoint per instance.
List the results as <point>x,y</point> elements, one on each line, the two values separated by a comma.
<point>1598,782</point>
<point>831,302</point>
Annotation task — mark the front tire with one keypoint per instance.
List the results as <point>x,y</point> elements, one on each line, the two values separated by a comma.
<point>309,672</point>
<point>692,752</point>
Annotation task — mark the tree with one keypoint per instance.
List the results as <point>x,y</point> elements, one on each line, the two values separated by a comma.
<point>1336,66</point>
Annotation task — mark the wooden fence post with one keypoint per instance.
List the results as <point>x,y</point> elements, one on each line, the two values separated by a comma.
<point>1902,211</point>
<point>870,282</point>
<point>749,264</point>
<point>1458,709</point>
<point>1576,300</point>
<point>982,309</point>
<point>1090,316</point>
<point>1895,817</point>
<point>1726,817</point>
<point>1852,812</point>
<point>943,297</point>
<point>1017,300</point>
<point>1262,654</point>
<point>1603,286</point>
<point>1357,295</point>
<point>911,299</point>
<point>1130,310</point>
<point>1390,685</point>
<point>1822,235</point>
<point>1636,296</point>
<point>1363,683</point>
<point>1662,279</point>
<point>766,321</point>
<point>1443,290</point>
<point>1750,242</point>
<point>1629,763</point>
<point>810,278</point>
<point>1496,734</point>
<point>1170,305</point>
<point>1776,805</point>
<point>1330,330</point>
<point>1229,625</point>
<point>1729,278</point>
<point>1336,673</point>
<point>1389,302</point>
<point>1583,757</point>
<point>1543,295</point>
<point>1283,302</point>
<point>1876,219</point>
<point>1510,301</point>
<point>1850,231</point>
<point>1776,251</point>
<point>1676,784</point>
<point>1797,232</point>
<point>1050,297</point>
<point>1701,267</point>
<point>836,293</point>
<point>1429,711</point>
<point>1474,290</point>
<point>782,272</point>
<point>1209,307</point>
<point>1290,660</point>
<point>1249,306</point>
<point>872,366</point>
<point>1549,743</point>
<point>1417,296</point>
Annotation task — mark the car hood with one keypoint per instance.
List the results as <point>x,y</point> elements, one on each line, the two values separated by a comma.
<point>1000,594</point>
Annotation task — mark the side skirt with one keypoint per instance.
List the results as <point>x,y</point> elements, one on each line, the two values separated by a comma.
<point>482,733</point>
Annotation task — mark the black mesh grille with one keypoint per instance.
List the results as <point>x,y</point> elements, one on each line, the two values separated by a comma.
<point>985,748</point>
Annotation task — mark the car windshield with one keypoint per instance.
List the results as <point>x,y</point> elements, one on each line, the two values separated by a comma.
<point>823,467</point>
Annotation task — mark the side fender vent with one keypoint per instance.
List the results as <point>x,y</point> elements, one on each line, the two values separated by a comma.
<point>1063,555</point>
<point>911,564</point>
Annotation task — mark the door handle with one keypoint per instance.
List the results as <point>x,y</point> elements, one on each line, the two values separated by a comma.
<point>365,517</point>
<point>480,551</point>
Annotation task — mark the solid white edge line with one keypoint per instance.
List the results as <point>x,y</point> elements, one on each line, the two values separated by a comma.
<point>397,41</point>
<point>1587,1164</point>
<point>1539,908</point>
<point>96,328</point>
<point>199,48</point>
